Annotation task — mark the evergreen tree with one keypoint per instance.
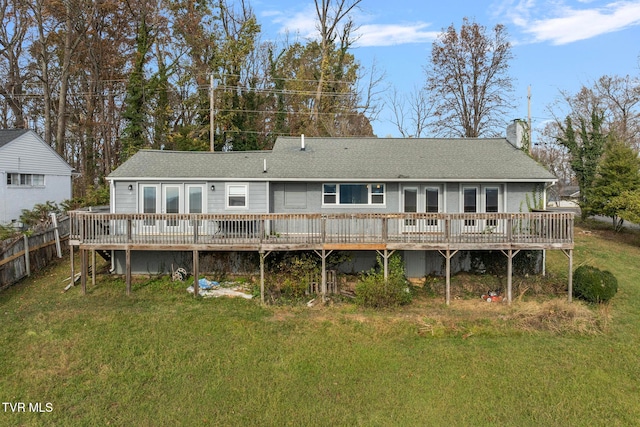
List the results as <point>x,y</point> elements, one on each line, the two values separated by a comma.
<point>618,173</point>
<point>585,150</point>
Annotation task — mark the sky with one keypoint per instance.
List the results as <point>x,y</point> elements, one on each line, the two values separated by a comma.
<point>558,45</point>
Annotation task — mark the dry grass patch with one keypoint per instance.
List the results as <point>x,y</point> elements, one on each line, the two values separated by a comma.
<point>559,316</point>
<point>429,316</point>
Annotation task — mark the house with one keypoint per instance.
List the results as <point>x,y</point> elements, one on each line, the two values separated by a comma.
<point>31,173</point>
<point>428,198</point>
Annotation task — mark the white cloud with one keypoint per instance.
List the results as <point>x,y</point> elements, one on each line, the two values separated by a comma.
<point>303,23</point>
<point>568,25</point>
<point>394,34</point>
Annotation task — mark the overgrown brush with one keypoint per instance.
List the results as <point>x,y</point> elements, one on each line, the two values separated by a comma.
<point>372,290</point>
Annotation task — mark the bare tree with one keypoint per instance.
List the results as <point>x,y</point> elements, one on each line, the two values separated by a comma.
<point>13,73</point>
<point>331,15</point>
<point>467,80</point>
<point>410,112</point>
<point>621,98</point>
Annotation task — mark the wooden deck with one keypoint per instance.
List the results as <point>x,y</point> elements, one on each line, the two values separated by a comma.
<point>208,232</point>
<point>265,233</point>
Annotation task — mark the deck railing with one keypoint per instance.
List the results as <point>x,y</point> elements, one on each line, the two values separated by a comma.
<point>455,229</point>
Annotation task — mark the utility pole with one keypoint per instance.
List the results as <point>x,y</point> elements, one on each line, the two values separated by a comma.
<point>529,118</point>
<point>211,113</point>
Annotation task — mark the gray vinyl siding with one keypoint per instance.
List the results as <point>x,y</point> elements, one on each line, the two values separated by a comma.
<point>127,201</point>
<point>257,197</point>
<point>518,193</point>
<point>288,198</point>
<point>297,197</point>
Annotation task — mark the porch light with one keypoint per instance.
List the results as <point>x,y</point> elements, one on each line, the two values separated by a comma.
<point>130,187</point>
<point>213,188</point>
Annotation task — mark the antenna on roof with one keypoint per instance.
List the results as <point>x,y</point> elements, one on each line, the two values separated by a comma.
<point>302,142</point>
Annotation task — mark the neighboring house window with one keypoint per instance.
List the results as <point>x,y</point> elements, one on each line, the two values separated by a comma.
<point>353,194</point>
<point>237,196</point>
<point>25,179</point>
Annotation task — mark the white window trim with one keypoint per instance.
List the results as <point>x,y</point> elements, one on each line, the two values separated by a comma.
<point>158,203</point>
<point>370,194</point>
<point>19,176</point>
<point>246,195</point>
<point>203,188</point>
<point>478,197</point>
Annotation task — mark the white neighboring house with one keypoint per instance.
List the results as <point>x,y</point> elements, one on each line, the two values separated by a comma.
<point>31,172</point>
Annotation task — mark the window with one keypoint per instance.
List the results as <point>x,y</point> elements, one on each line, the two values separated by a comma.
<point>377,194</point>
<point>172,203</point>
<point>149,203</point>
<point>432,200</point>
<point>491,204</point>
<point>353,194</point>
<point>195,199</point>
<point>25,180</point>
<point>38,180</point>
<point>410,204</point>
<point>329,194</point>
<point>470,204</point>
<point>236,196</point>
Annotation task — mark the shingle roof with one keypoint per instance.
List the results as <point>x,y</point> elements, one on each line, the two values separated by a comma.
<point>388,159</point>
<point>8,135</point>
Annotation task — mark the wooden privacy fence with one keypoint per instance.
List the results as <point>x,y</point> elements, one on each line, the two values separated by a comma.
<point>23,255</point>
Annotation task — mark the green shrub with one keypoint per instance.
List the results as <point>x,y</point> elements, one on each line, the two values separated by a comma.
<point>594,285</point>
<point>373,291</point>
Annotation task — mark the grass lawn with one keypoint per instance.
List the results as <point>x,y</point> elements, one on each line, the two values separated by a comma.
<point>161,357</point>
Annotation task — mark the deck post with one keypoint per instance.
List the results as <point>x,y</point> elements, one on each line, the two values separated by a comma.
<point>93,267</point>
<point>196,273</point>
<point>386,265</point>
<point>73,266</point>
<point>324,273</point>
<point>262,256</point>
<point>510,254</point>
<point>509,275</point>
<point>569,254</point>
<point>447,290</point>
<point>83,271</point>
<point>448,279</point>
<point>128,268</point>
